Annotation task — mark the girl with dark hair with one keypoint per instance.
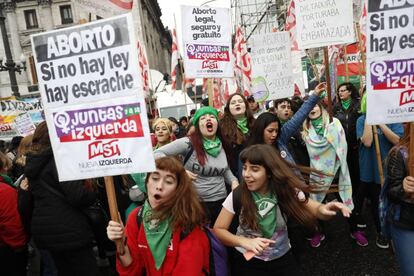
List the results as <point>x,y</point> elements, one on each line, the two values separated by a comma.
<point>235,126</point>
<point>267,198</point>
<point>205,160</point>
<point>401,194</point>
<point>58,224</point>
<point>154,246</point>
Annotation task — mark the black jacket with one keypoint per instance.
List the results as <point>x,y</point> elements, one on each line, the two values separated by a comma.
<point>348,119</point>
<point>57,224</point>
<point>396,172</point>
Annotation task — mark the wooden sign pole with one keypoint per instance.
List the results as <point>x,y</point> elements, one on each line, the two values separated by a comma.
<point>328,82</point>
<point>378,152</point>
<point>113,209</point>
<point>210,91</point>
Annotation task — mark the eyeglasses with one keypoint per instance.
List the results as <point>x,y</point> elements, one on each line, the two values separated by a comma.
<point>342,90</point>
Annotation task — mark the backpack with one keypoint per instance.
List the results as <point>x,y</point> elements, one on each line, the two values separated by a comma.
<point>218,252</point>
<point>387,208</point>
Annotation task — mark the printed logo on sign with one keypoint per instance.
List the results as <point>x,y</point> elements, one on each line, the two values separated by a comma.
<point>394,74</point>
<point>210,64</point>
<point>407,97</point>
<point>110,122</point>
<point>210,52</point>
<point>100,148</point>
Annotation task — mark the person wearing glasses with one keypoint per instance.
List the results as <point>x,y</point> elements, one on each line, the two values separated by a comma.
<point>346,110</point>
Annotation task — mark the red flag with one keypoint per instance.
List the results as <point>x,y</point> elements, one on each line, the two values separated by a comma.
<point>363,26</point>
<point>291,25</point>
<point>243,66</point>
<point>204,87</point>
<point>218,100</point>
<point>174,59</point>
<point>189,83</point>
<point>143,67</point>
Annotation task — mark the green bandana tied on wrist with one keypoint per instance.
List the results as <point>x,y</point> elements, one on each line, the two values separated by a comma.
<point>242,125</point>
<point>158,234</point>
<point>346,103</point>
<point>318,125</point>
<point>212,147</point>
<point>266,213</point>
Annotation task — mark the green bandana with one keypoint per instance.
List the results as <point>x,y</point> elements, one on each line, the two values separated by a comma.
<point>318,125</point>
<point>346,103</point>
<point>364,104</point>
<point>158,234</point>
<point>266,213</point>
<point>7,179</point>
<point>282,122</point>
<point>203,111</point>
<point>212,147</point>
<point>242,125</point>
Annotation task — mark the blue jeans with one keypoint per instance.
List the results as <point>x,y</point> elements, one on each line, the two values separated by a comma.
<point>404,244</point>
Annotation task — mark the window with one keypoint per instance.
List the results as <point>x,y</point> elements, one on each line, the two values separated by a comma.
<point>31,19</point>
<point>66,14</point>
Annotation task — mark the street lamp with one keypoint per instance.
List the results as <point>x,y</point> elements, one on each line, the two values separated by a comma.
<point>9,65</point>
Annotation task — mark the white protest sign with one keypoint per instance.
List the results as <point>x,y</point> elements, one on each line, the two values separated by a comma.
<point>93,99</point>
<point>324,22</point>
<point>24,124</point>
<point>206,35</point>
<point>390,62</point>
<point>272,76</point>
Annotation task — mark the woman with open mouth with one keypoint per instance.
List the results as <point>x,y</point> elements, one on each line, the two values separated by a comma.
<point>164,236</point>
<point>205,160</point>
<point>326,144</point>
<point>261,204</point>
<point>236,124</point>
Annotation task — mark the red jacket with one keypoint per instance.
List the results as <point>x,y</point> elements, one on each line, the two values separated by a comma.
<point>186,257</point>
<point>12,233</point>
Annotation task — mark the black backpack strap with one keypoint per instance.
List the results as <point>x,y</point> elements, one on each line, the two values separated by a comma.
<point>189,153</point>
<point>139,216</point>
<point>237,200</point>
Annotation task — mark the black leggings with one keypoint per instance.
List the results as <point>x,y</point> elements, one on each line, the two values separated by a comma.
<point>285,265</point>
<point>372,191</point>
<point>213,209</point>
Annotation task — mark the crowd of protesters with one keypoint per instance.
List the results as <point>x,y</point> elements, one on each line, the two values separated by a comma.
<point>264,181</point>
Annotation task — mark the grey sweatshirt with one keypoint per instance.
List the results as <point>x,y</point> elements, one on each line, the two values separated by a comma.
<point>211,177</point>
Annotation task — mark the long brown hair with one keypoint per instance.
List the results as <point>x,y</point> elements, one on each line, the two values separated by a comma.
<point>41,139</point>
<point>184,207</point>
<point>230,132</point>
<point>283,183</point>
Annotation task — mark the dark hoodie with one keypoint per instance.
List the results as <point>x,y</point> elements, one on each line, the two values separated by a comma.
<point>57,224</point>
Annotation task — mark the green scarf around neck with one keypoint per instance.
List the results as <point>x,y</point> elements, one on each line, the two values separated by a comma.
<point>266,213</point>
<point>212,147</point>
<point>242,125</point>
<point>346,103</point>
<point>7,179</point>
<point>158,234</point>
<point>318,125</point>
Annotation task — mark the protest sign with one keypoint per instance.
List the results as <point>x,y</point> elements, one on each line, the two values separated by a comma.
<point>11,108</point>
<point>324,22</point>
<point>207,42</point>
<point>390,62</point>
<point>272,76</point>
<point>93,99</point>
<point>24,124</point>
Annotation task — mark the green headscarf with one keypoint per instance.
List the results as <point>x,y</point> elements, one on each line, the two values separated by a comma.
<point>158,234</point>
<point>242,125</point>
<point>364,104</point>
<point>318,125</point>
<point>203,111</point>
<point>212,147</point>
<point>7,179</point>
<point>346,103</point>
<point>266,213</point>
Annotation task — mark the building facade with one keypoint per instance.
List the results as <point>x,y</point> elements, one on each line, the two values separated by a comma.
<point>24,18</point>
